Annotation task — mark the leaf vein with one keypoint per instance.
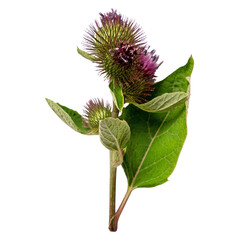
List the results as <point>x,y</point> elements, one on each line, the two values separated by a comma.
<point>145,155</point>
<point>116,141</point>
<point>157,161</point>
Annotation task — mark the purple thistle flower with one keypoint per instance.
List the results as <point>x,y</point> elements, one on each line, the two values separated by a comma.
<point>149,62</point>
<point>94,111</point>
<point>110,17</point>
<point>125,54</point>
<point>122,56</point>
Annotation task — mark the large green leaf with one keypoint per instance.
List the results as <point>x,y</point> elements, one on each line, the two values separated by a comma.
<point>72,118</point>
<point>156,138</point>
<point>164,102</point>
<point>178,81</point>
<point>86,55</point>
<point>117,94</point>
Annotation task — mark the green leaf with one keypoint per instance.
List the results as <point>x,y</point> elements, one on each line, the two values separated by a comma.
<point>156,138</point>
<point>72,118</point>
<point>114,133</point>
<point>178,81</point>
<point>117,94</point>
<point>86,55</point>
<point>164,102</point>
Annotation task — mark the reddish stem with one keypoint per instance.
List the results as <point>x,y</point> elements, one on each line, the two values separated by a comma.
<point>122,205</point>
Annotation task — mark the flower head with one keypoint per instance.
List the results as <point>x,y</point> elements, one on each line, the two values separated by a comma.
<point>95,110</point>
<point>118,45</point>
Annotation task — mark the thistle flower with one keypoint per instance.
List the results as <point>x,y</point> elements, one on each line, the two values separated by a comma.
<point>122,56</point>
<point>94,111</point>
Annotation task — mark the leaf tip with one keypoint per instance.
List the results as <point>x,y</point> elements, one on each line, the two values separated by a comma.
<point>189,66</point>
<point>191,60</point>
<point>48,101</point>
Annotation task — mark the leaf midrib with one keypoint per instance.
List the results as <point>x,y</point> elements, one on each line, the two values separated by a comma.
<point>118,147</point>
<point>145,155</point>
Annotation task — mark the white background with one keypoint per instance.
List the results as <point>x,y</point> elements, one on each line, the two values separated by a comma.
<point>54,181</point>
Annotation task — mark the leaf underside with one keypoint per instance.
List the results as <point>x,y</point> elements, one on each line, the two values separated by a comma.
<point>163,103</point>
<point>72,118</point>
<point>114,133</point>
<point>156,138</point>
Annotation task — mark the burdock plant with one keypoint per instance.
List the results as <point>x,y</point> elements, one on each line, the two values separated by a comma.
<point>146,126</point>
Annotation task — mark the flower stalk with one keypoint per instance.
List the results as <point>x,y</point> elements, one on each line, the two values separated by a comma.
<point>112,196</point>
<point>113,176</point>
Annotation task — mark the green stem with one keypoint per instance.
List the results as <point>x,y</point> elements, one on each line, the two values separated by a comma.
<point>113,175</point>
<point>112,200</point>
<point>115,111</point>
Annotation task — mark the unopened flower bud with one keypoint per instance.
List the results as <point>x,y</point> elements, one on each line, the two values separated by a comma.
<point>95,110</point>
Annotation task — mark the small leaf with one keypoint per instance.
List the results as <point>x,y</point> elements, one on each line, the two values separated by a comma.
<point>86,55</point>
<point>164,102</point>
<point>156,138</point>
<point>72,118</point>
<point>117,94</point>
<point>114,133</point>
